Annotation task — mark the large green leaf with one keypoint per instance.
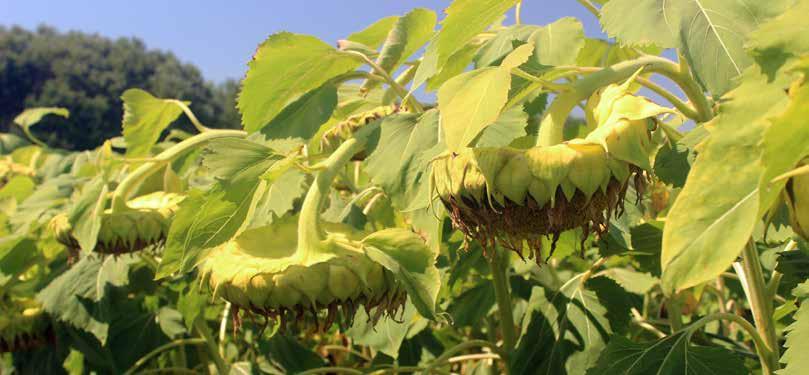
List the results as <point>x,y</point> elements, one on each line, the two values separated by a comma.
<point>16,255</point>
<point>471,101</point>
<point>303,117</point>
<point>789,131</point>
<point>85,214</point>
<point>457,64</point>
<point>81,295</point>
<point>502,44</point>
<point>207,219</point>
<point>797,336</point>
<point>374,35</point>
<point>509,126</point>
<point>410,33</point>
<point>564,333</point>
<point>597,52</point>
<point>464,20</point>
<point>406,255</point>
<point>710,33</point>
<point>638,22</point>
<point>145,118</point>
<point>284,68</point>
<point>386,335</point>
<point>669,355</point>
<point>400,162</point>
<point>472,306</point>
<point>290,354</point>
<point>714,215</point>
<point>780,38</point>
<point>558,43</point>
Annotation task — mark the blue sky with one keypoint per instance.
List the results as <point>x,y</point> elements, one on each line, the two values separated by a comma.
<point>219,37</point>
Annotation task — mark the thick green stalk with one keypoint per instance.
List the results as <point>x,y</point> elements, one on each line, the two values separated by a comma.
<point>176,343</point>
<point>551,129</point>
<point>133,180</point>
<point>499,264</point>
<point>309,232</point>
<point>674,309</point>
<point>752,279</point>
<point>202,328</point>
<point>761,346</point>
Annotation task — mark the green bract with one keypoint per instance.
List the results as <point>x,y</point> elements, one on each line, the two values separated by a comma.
<point>797,199</point>
<point>344,129</point>
<point>144,223</point>
<point>23,326</point>
<point>261,271</point>
<point>512,196</point>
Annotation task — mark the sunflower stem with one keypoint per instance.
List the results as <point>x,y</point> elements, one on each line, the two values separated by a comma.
<point>309,232</point>
<point>551,129</point>
<point>134,179</point>
<point>499,264</point>
<point>752,279</point>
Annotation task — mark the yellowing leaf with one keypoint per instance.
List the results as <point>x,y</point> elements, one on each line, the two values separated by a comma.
<point>470,102</point>
<point>145,117</point>
<point>714,215</point>
<point>789,131</point>
<point>284,68</point>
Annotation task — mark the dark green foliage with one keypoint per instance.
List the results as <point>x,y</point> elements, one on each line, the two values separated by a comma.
<point>87,74</point>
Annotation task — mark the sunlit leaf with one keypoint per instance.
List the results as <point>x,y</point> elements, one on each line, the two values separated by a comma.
<point>145,118</point>
<point>303,117</point>
<point>794,357</point>
<point>563,333</point>
<point>464,20</point>
<point>284,68</point>
<point>400,162</point>
<point>713,218</point>
<point>79,296</point>
<point>410,33</point>
<point>410,260</point>
<point>780,38</point>
<point>502,44</point>
<point>470,102</point>
<point>639,22</point>
<point>387,335</point>
<point>670,355</point>
<point>788,132</point>
<point>509,126</point>
<point>558,43</point>
<point>32,116</point>
<point>207,219</point>
<point>374,35</point>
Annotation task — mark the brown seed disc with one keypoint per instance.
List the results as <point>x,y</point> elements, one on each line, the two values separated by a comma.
<point>511,224</point>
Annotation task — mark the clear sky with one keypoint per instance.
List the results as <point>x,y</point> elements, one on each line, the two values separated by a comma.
<point>220,36</point>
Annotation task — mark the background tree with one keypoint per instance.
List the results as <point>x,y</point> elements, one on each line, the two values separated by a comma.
<point>87,73</point>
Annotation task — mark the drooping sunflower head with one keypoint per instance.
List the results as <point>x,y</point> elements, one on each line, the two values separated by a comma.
<point>23,326</point>
<point>515,197</point>
<point>261,272</point>
<point>346,128</point>
<point>144,223</point>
